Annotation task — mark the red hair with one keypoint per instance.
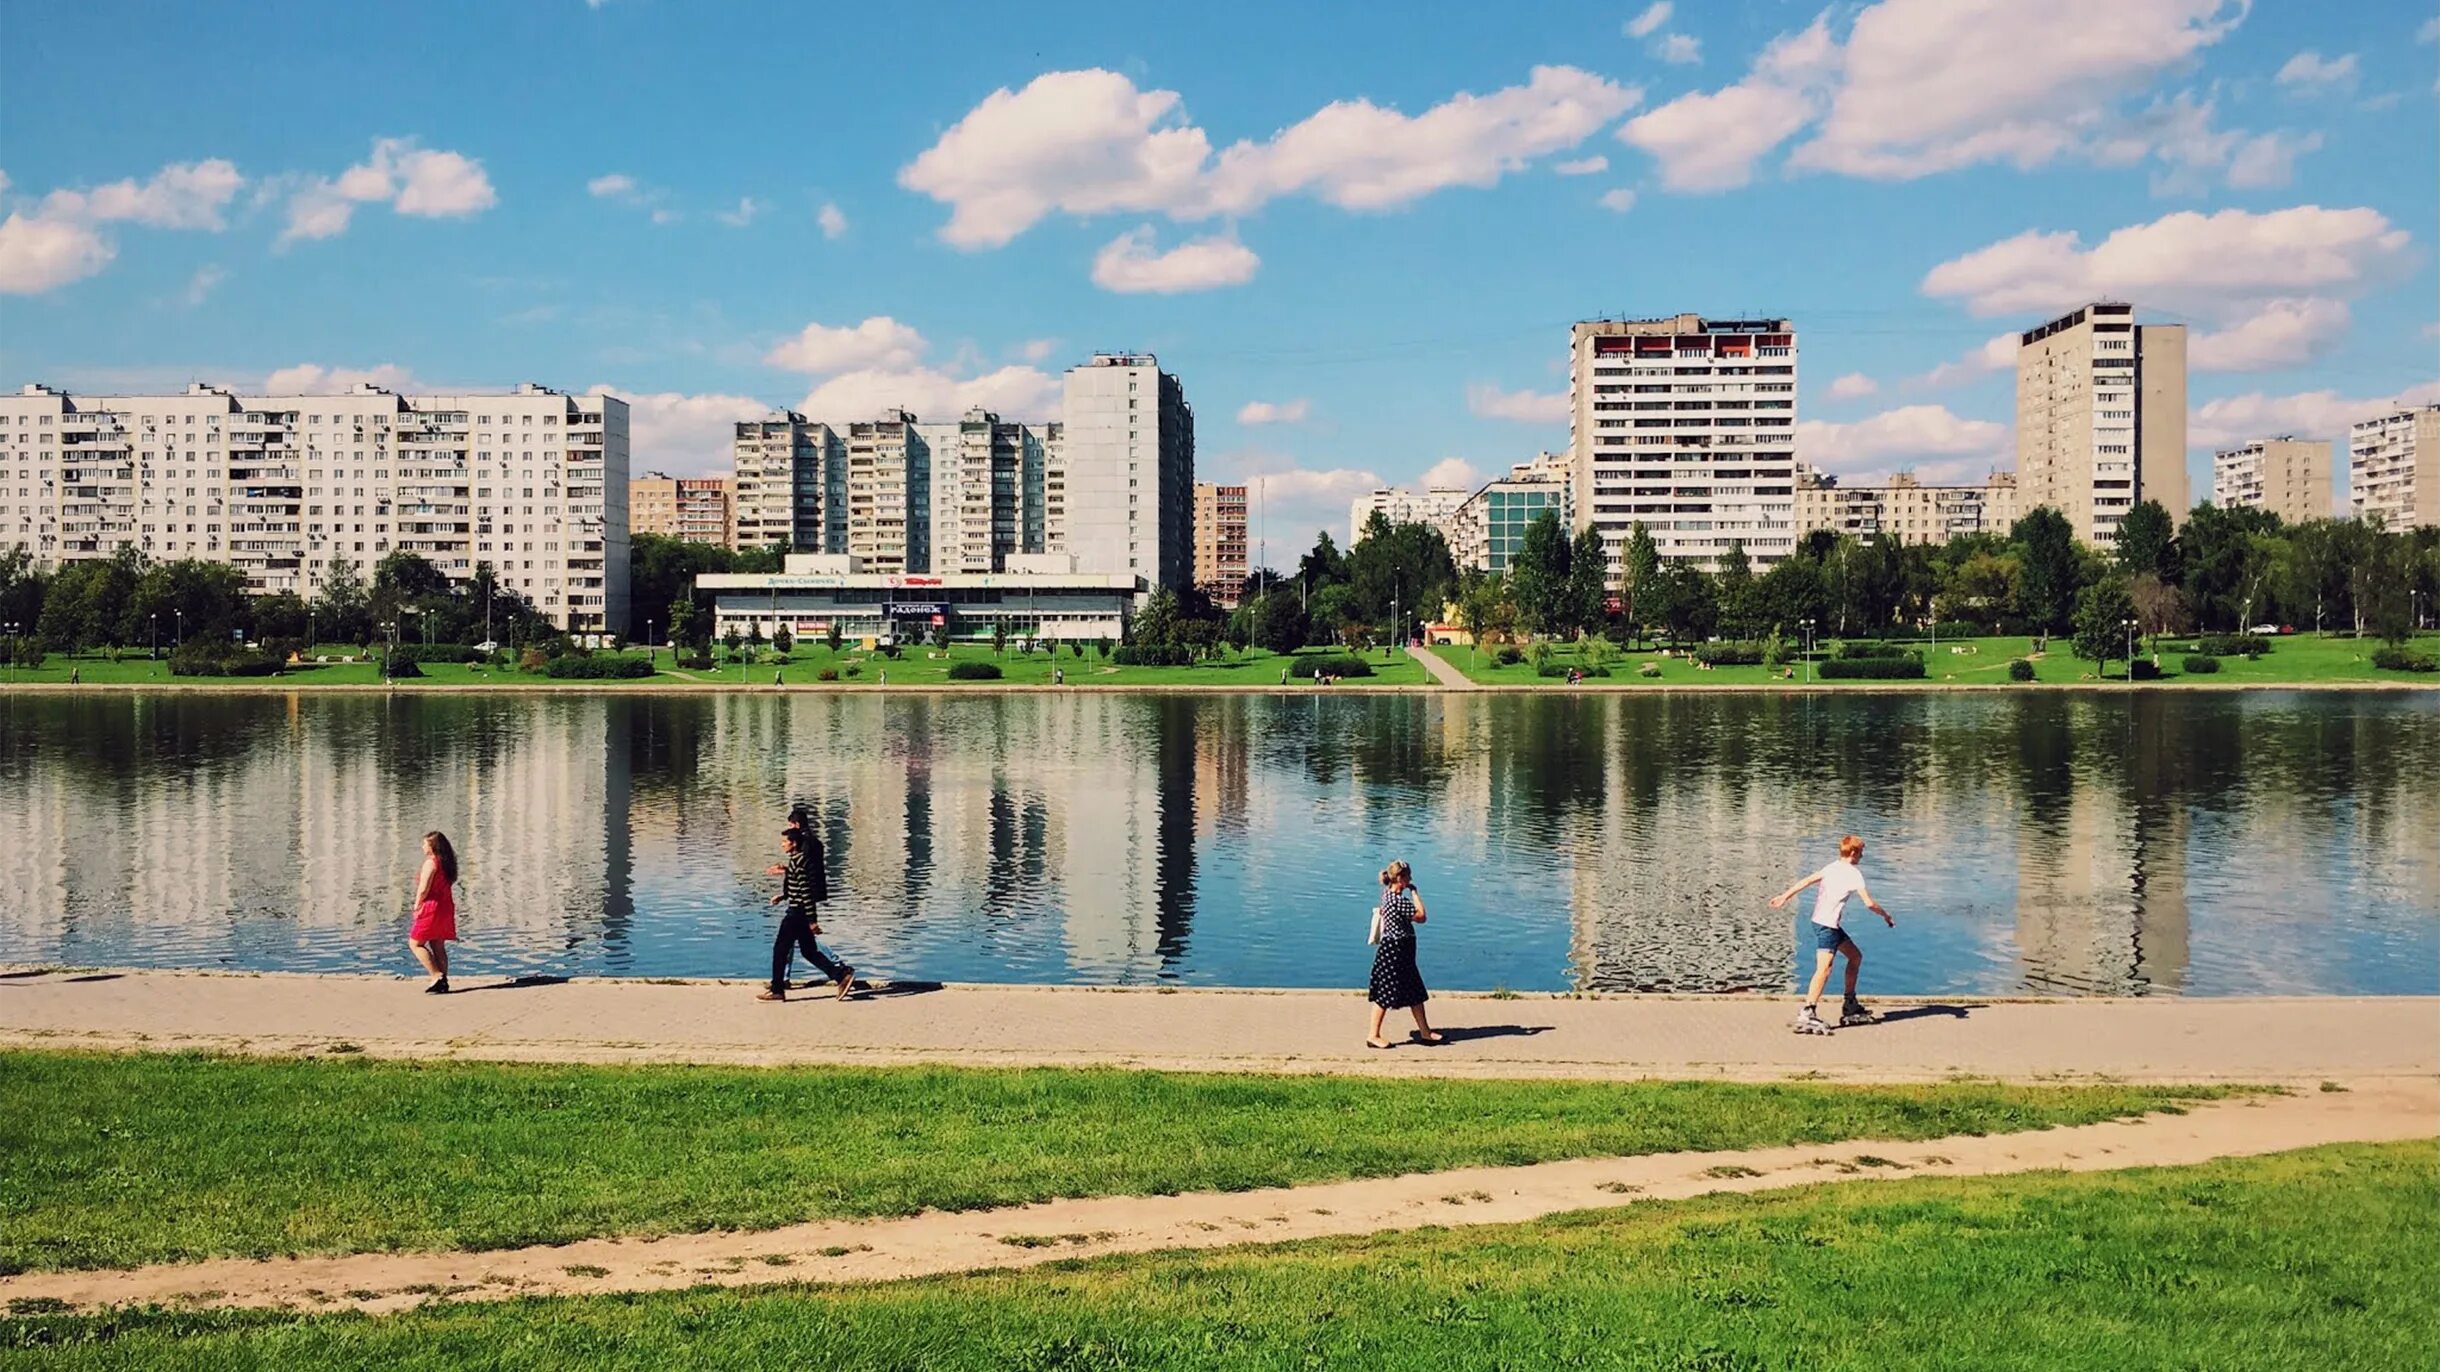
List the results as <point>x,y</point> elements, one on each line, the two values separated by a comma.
<point>1851,847</point>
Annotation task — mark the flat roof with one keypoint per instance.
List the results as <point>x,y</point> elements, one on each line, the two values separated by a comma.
<point>896,581</point>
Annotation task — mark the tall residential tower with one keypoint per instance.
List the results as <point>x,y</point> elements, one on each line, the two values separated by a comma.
<point>2290,477</point>
<point>1127,465</point>
<point>2393,467</point>
<point>2101,417</point>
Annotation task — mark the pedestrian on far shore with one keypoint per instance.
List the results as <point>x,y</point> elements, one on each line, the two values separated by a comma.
<point>1839,880</point>
<point>435,911</point>
<point>803,888</point>
<point>1396,984</point>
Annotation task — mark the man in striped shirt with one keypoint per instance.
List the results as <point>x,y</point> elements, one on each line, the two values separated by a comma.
<point>803,887</point>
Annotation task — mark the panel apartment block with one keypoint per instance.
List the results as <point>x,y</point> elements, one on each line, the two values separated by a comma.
<point>1127,463</point>
<point>1903,509</point>
<point>1220,542</point>
<point>2393,467</point>
<point>791,483</point>
<point>1685,425</point>
<point>2101,417</point>
<point>2290,477</point>
<point>533,483</point>
<point>698,509</point>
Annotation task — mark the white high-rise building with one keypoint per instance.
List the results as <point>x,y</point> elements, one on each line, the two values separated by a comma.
<point>790,476</point>
<point>2101,418</point>
<point>1903,509</point>
<point>1433,505</point>
<point>533,482</point>
<point>2393,467</point>
<point>2290,477</point>
<point>1685,425</point>
<point>1125,466</point>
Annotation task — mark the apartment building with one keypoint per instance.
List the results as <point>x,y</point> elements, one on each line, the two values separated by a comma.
<point>1220,542</point>
<point>989,496</point>
<point>2393,467</point>
<point>1489,528</point>
<point>2290,477</point>
<point>2101,417</point>
<point>1433,505</point>
<point>790,483</point>
<point>532,482</point>
<point>1903,509</point>
<point>1685,425</point>
<point>698,509</point>
<point>1125,467</point>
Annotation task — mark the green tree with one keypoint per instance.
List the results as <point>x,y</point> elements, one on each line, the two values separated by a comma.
<point>1333,615</point>
<point>1320,567</point>
<point>660,569</point>
<point>690,630</point>
<point>280,614</point>
<point>1739,616</point>
<point>1688,602</point>
<point>999,637</point>
<point>1638,579</point>
<point>1538,574</point>
<point>1279,622</point>
<point>1790,593</point>
<point>2384,588</point>
<point>2049,569</point>
<point>1983,587</point>
<point>2102,611</point>
<point>1156,625</point>
<point>342,606</point>
<point>1399,569</point>
<point>2223,564</point>
<point>1588,583</point>
<point>834,638</point>
<point>22,587</point>
<point>2147,542</point>
<point>86,604</point>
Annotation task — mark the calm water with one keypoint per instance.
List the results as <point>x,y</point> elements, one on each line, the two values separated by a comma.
<point>2188,843</point>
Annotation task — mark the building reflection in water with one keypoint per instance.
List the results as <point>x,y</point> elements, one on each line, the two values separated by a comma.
<point>1596,842</point>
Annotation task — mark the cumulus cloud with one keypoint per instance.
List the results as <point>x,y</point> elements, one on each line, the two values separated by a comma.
<point>1090,143</point>
<point>1618,200</point>
<point>683,435</point>
<point>1132,264</point>
<point>615,186</point>
<point>309,378</point>
<point>1525,407</point>
<point>2216,266</point>
<point>1710,141</point>
<point>2309,72</point>
<point>1266,412</point>
<point>1678,49</point>
<point>1037,349</point>
<point>1994,354</point>
<point>831,220</point>
<point>1295,502</point>
<point>1852,386</point>
<point>1649,20</point>
<point>2268,161</point>
<point>1893,436</point>
<point>1582,166</point>
<point>879,342</point>
<point>2239,419</point>
<point>58,239</point>
<point>747,208</point>
<point>199,287</point>
<point>427,183</point>
<point>2283,333</point>
<point>1452,473</point>
<point>1013,393</point>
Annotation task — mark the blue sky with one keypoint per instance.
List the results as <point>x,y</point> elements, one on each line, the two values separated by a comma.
<point>1375,220</point>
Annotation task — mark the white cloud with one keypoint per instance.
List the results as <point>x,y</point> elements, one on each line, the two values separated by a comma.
<point>1525,407</point>
<point>1129,264</point>
<point>308,378</point>
<point>1710,141</point>
<point>1853,385</point>
<point>831,219</point>
<point>1011,392</point>
<point>2430,32</point>
<point>1452,473</point>
<point>1294,503</point>
<point>683,435</point>
<point>2284,333</point>
<point>57,241</point>
<point>1090,143</point>
<point>38,254</point>
<point>1618,200</point>
<point>1036,349</point>
<point>665,215</point>
<point>1994,354</point>
<point>2237,419</point>
<point>747,208</point>
<point>1888,438</point>
<point>427,183</point>
<point>1647,23</point>
<point>880,342</point>
<point>1265,412</point>
<point>200,286</point>
<point>1582,166</point>
<point>1933,85</point>
<point>1678,49</point>
<point>2309,72</point>
<point>2268,161</point>
<point>2218,266</point>
<point>615,186</point>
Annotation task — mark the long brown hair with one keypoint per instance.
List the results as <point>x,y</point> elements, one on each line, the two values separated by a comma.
<point>443,854</point>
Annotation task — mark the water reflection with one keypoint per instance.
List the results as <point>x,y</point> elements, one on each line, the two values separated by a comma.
<point>2055,843</point>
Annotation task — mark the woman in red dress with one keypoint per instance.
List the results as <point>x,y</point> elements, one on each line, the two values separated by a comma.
<point>435,911</point>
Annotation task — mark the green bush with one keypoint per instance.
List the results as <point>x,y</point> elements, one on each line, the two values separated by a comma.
<point>433,652</point>
<point>695,662</point>
<point>1332,664</point>
<point>828,674</point>
<point>974,671</point>
<point>604,668</point>
<point>206,657</point>
<point>403,671</point>
<point>2143,669</point>
<point>1731,654</point>
<point>1649,669</point>
<point>2233,645</point>
<point>1508,655</point>
<point>2199,664</point>
<point>1907,667</point>
<point>2020,669</point>
<point>1149,655</point>
<point>2402,660</point>
<point>1867,649</point>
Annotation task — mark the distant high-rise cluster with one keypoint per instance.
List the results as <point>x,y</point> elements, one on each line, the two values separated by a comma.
<point>2393,467</point>
<point>2290,477</point>
<point>1221,565</point>
<point>698,509</point>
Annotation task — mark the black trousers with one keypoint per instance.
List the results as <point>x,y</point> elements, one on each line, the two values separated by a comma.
<point>796,934</point>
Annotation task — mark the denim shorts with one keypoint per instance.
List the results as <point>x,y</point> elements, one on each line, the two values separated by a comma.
<point>1828,937</point>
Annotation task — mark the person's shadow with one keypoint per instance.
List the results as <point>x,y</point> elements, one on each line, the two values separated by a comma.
<point>524,983</point>
<point>1466,1033</point>
<point>1923,1012</point>
<point>874,990</point>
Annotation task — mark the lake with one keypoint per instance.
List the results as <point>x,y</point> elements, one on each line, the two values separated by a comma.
<point>2057,843</point>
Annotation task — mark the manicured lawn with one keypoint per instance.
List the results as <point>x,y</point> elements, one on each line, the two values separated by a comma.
<point>113,1161</point>
<point>2296,659</point>
<point>2324,1260</point>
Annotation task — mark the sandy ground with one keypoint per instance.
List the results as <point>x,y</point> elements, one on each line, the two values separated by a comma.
<point>2302,1040</point>
<point>934,1242</point>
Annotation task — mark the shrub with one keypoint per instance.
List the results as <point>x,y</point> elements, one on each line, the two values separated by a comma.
<point>2020,669</point>
<point>1731,654</point>
<point>1556,670</point>
<point>828,674</point>
<point>205,657</point>
<point>2199,664</point>
<point>2391,660</point>
<point>403,671</point>
<point>1331,664</point>
<point>1958,628</point>
<point>1149,655</point>
<point>434,652</point>
<point>574,668</point>
<point>1649,669</point>
<point>2142,669</point>
<point>974,671</point>
<point>281,647</point>
<point>855,669</point>
<point>1895,668</point>
<point>1866,648</point>
<point>532,660</point>
<point>2233,645</point>
<point>1508,655</point>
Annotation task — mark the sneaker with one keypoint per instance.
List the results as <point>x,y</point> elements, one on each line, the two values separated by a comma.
<point>1809,1022</point>
<point>439,987</point>
<point>1854,1012</point>
<point>847,982</point>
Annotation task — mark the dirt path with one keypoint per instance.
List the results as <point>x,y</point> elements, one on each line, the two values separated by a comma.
<point>1443,672</point>
<point>935,1242</point>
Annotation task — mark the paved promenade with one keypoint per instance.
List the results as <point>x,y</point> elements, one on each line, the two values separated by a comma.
<point>2266,1040</point>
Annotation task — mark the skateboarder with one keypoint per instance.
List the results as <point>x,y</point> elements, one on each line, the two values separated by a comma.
<point>1838,881</point>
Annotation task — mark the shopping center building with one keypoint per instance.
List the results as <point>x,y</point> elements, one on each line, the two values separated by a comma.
<point>1040,595</point>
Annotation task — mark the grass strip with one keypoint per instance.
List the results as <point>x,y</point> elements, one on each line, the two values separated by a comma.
<point>114,1161</point>
<point>2321,1259</point>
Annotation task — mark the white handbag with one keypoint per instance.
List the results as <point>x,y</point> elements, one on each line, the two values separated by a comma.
<point>1375,935</point>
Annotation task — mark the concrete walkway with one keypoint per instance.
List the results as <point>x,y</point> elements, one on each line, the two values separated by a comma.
<point>2268,1040</point>
<point>1444,673</point>
<point>934,1243</point>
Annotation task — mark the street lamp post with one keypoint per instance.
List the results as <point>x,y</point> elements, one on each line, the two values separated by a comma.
<point>648,643</point>
<point>181,638</point>
<point>1808,628</point>
<point>153,624</point>
<point>2130,628</point>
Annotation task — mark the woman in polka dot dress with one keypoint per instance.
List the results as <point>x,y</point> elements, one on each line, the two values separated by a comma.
<point>1396,985</point>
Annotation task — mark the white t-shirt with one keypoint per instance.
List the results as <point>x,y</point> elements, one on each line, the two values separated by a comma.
<point>1840,880</point>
